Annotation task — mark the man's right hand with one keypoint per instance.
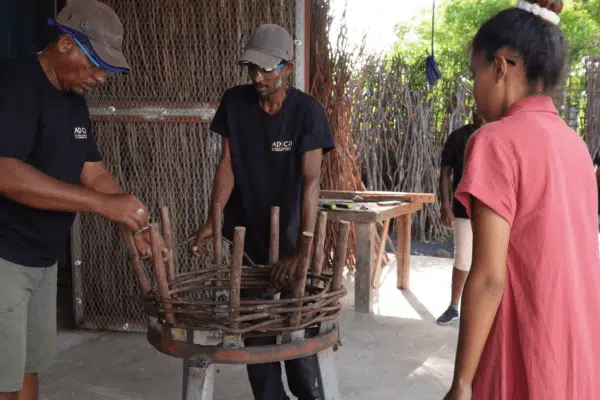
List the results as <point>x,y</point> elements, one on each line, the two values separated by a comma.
<point>447,217</point>
<point>124,208</point>
<point>199,240</point>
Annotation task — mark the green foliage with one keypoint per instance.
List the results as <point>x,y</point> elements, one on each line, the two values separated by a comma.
<point>456,23</point>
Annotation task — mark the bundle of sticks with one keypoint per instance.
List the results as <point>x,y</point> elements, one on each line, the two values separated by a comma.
<point>330,82</point>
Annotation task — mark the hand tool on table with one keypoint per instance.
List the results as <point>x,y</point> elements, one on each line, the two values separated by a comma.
<point>335,204</point>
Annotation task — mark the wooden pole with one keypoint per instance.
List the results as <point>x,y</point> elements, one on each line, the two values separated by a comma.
<point>134,257</point>
<point>365,250</point>
<point>339,261</point>
<point>319,255</point>
<point>168,237</point>
<point>236,276</point>
<point>403,251</point>
<point>161,273</point>
<point>274,243</point>
<point>301,272</point>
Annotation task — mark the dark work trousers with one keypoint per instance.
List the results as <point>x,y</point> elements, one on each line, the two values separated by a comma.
<point>266,380</point>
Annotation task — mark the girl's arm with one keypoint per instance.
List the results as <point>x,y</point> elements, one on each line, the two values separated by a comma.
<point>483,289</point>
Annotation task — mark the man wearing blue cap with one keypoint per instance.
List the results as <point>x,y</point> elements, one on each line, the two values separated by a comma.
<point>50,169</point>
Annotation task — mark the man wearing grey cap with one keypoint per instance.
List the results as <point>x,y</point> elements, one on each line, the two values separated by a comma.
<point>273,140</point>
<point>50,169</point>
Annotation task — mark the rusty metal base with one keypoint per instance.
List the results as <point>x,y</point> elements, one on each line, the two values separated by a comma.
<point>201,350</point>
<point>184,344</point>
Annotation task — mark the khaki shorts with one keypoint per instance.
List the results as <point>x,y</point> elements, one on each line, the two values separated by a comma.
<point>463,244</point>
<point>27,322</point>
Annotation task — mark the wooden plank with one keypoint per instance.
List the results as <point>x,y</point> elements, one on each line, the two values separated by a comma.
<point>380,254</point>
<point>379,196</point>
<point>365,246</point>
<point>403,253</point>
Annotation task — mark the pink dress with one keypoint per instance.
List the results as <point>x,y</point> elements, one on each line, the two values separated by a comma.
<point>536,173</point>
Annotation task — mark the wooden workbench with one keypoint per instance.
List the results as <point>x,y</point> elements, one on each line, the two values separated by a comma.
<point>366,221</point>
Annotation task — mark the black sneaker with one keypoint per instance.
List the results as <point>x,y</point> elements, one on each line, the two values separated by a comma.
<point>449,316</point>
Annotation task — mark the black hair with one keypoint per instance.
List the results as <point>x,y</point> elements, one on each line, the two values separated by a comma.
<point>540,43</point>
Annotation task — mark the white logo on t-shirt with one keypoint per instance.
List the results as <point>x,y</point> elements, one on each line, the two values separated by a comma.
<point>80,133</point>
<point>281,146</point>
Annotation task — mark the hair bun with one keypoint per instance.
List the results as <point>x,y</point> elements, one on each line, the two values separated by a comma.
<point>555,6</point>
<point>545,9</point>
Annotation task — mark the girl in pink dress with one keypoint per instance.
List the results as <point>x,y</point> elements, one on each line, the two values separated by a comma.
<point>530,326</point>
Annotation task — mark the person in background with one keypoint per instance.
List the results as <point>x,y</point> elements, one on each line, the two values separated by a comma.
<point>274,138</point>
<point>597,171</point>
<point>454,214</point>
<point>51,169</point>
<point>530,306</point>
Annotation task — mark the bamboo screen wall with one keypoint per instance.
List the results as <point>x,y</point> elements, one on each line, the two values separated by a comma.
<point>592,132</point>
<point>153,130</point>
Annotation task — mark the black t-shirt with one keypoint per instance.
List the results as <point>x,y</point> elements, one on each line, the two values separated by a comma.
<point>50,130</point>
<point>266,155</point>
<point>453,156</point>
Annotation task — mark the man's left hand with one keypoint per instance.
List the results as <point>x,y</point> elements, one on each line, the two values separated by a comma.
<point>282,273</point>
<point>144,245</point>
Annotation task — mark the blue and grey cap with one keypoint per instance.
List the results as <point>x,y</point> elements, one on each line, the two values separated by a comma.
<point>98,30</point>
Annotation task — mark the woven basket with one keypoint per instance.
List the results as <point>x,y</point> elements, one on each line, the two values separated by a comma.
<point>215,298</point>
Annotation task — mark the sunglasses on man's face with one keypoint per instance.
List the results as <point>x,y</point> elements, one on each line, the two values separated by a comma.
<point>255,69</point>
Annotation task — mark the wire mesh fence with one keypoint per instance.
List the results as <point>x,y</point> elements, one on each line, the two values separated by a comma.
<point>152,128</point>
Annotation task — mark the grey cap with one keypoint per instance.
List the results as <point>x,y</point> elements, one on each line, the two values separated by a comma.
<point>268,46</point>
<point>101,25</point>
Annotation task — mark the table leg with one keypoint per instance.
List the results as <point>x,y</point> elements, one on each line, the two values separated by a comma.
<point>403,251</point>
<point>365,250</point>
<point>198,376</point>
<point>198,380</point>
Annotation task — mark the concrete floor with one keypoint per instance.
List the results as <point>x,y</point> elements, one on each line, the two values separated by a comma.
<point>399,353</point>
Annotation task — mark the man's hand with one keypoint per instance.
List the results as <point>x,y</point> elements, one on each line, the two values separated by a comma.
<point>125,209</point>
<point>282,273</point>
<point>199,240</point>
<point>459,392</point>
<point>447,217</point>
<point>144,245</point>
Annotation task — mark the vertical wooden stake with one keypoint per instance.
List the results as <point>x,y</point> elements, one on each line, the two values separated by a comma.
<point>161,273</point>
<point>403,253</point>
<point>236,276</point>
<point>134,257</point>
<point>301,272</point>
<point>319,254</point>
<point>168,237</point>
<point>274,242</point>
<point>217,222</point>
<point>341,250</point>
